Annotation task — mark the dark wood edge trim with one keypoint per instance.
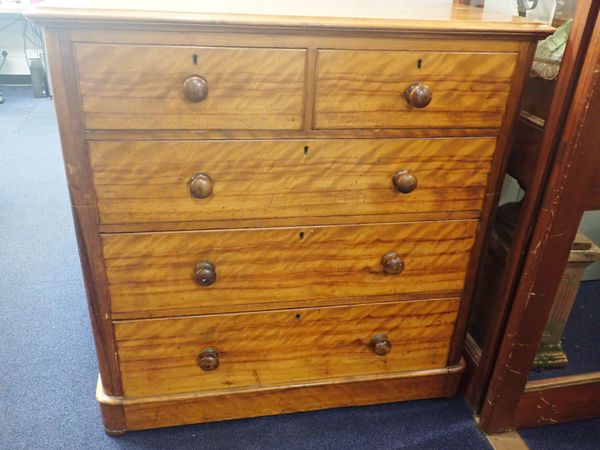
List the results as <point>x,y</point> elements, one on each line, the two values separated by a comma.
<point>559,404</point>
<point>106,399</point>
<point>495,180</point>
<point>68,110</point>
<point>555,225</point>
<point>559,382</point>
<point>553,128</point>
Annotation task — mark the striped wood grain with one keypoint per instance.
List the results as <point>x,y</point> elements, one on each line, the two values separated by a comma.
<point>364,89</point>
<point>140,87</point>
<point>148,182</point>
<point>279,347</point>
<point>152,273</point>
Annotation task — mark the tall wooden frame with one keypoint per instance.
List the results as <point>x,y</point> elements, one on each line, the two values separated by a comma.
<point>510,401</point>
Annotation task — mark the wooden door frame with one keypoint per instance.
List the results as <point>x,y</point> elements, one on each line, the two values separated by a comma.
<point>482,358</point>
<point>511,402</point>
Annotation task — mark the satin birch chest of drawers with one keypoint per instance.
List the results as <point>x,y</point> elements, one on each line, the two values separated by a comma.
<point>280,208</point>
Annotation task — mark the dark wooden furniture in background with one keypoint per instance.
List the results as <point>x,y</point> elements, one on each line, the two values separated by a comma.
<point>570,152</point>
<point>536,141</point>
<point>281,209</point>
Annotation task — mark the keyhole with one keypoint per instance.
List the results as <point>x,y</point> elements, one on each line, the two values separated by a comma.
<point>306,150</point>
<point>301,235</point>
<point>297,316</point>
<point>419,63</point>
<point>195,59</point>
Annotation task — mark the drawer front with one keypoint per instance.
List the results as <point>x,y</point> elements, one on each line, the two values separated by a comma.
<point>365,89</point>
<point>142,87</point>
<point>280,347</point>
<point>154,273</point>
<point>139,182</point>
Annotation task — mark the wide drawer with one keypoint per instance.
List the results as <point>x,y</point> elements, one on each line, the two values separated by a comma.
<point>150,182</point>
<point>142,87</point>
<point>226,271</point>
<point>163,356</point>
<point>365,89</point>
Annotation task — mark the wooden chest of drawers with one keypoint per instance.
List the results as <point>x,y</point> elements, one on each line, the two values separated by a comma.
<point>280,209</point>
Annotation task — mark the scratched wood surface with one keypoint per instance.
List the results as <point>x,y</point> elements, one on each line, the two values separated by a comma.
<point>141,182</point>
<point>140,87</point>
<point>364,89</point>
<point>152,273</point>
<point>272,348</point>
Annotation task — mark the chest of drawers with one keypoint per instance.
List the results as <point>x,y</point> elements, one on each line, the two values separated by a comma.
<point>280,208</point>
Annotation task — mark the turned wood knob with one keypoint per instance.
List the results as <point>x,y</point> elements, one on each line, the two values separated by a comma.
<point>208,359</point>
<point>380,345</point>
<point>392,263</point>
<point>195,88</point>
<point>404,181</point>
<point>205,273</point>
<point>418,95</point>
<point>201,185</point>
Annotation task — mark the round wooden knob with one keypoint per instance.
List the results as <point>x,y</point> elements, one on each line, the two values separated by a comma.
<point>418,95</point>
<point>195,88</point>
<point>404,181</point>
<point>392,263</point>
<point>380,345</point>
<point>201,185</point>
<point>208,359</point>
<point>205,273</point>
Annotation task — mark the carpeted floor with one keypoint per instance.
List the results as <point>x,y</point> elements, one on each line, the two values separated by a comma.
<point>47,364</point>
<point>581,435</point>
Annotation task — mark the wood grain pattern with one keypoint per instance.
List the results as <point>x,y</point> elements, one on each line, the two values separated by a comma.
<point>167,410</point>
<point>150,272</point>
<point>279,347</point>
<point>401,15</point>
<point>140,87</point>
<point>364,89</point>
<point>139,182</point>
<point>567,400</point>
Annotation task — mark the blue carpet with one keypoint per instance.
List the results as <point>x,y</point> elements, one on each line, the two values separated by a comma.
<point>580,341</point>
<point>580,435</point>
<point>48,368</point>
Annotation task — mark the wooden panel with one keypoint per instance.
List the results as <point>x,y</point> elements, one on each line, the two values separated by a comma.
<point>167,410</point>
<point>152,273</point>
<point>562,399</point>
<point>140,87</point>
<point>139,182</point>
<point>273,348</point>
<point>308,14</point>
<point>364,89</point>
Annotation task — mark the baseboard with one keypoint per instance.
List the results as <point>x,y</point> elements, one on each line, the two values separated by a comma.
<point>124,414</point>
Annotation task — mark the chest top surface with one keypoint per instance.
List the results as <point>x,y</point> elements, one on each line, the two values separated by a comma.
<point>403,15</point>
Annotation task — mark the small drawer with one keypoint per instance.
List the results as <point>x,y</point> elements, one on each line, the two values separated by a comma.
<point>168,356</point>
<point>411,89</point>
<point>143,87</point>
<point>217,184</point>
<point>163,274</point>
